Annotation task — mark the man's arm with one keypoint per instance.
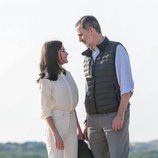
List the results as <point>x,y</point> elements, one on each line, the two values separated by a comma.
<point>119,119</point>
<point>125,80</point>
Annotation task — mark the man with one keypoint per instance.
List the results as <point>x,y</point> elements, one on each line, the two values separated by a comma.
<point>109,87</point>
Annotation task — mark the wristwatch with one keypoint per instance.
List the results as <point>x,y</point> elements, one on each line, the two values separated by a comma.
<point>85,122</point>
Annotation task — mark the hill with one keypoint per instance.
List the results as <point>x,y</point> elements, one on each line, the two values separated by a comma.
<point>38,150</point>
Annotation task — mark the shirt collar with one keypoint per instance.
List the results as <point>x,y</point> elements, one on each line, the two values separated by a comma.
<point>100,46</point>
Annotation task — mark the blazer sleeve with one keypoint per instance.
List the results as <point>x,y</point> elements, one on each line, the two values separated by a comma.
<point>46,88</point>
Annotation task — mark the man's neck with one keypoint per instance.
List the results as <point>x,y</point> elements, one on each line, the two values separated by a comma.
<point>98,40</point>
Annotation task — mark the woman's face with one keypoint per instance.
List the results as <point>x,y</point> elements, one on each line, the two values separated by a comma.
<point>62,56</point>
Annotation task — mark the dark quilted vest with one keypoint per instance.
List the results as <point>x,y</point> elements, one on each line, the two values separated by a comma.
<point>103,94</point>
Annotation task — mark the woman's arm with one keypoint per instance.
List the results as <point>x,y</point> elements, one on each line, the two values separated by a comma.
<point>57,138</point>
<point>80,134</point>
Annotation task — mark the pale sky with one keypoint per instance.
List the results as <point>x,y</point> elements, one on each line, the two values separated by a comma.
<point>26,24</point>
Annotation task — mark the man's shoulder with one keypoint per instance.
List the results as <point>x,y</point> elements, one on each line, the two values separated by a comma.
<point>116,43</point>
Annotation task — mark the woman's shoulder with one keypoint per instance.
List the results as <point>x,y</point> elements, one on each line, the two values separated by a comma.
<point>68,73</point>
<point>70,76</point>
<point>44,82</point>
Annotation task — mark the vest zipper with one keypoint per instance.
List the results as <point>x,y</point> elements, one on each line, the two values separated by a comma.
<point>93,74</point>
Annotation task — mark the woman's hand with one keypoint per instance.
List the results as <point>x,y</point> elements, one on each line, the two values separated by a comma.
<point>80,135</point>
<point>85,133</point>
<point>58,141</point>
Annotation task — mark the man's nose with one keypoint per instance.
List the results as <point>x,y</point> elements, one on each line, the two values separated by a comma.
<point>80,39</point>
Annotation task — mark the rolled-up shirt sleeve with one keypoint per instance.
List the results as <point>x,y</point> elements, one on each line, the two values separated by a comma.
<point>123,70</point>
<point>46,98</point>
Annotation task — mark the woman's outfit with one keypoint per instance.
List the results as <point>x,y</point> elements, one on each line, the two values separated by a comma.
<point>59,99</point>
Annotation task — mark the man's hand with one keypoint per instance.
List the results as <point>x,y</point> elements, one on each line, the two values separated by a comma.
<point>118,121</point>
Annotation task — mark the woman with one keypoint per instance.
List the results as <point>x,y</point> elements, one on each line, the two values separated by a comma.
<point>59,97</point>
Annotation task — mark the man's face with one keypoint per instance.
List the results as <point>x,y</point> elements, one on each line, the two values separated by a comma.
<point>85,36</point>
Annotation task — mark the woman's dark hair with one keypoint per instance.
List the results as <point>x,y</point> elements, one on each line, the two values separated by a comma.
<point>89,21</point>
<point>49,60</point>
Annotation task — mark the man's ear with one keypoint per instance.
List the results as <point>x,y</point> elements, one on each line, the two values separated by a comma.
<point>91,29</point>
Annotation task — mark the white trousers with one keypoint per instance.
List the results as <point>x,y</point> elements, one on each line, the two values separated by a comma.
<point>66,124</point>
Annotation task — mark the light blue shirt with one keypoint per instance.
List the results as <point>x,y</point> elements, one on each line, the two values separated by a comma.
<point>123,69</point>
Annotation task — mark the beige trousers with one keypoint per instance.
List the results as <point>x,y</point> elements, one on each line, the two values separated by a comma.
<point>66,124</point>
